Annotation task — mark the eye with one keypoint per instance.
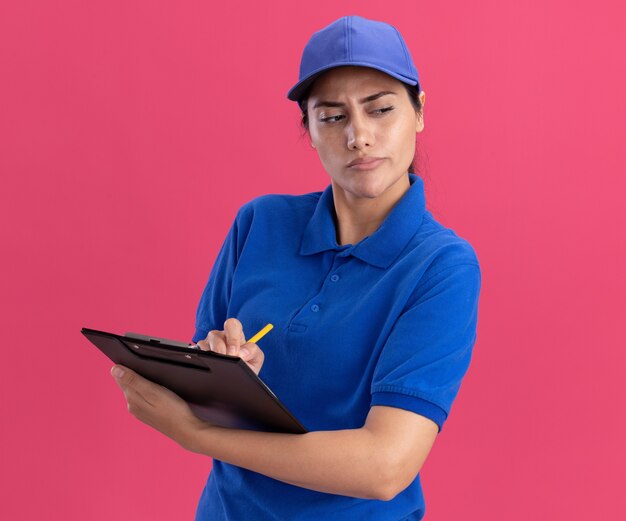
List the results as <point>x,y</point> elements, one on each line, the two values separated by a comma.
<point>383,110</point>
<point>331,119</point>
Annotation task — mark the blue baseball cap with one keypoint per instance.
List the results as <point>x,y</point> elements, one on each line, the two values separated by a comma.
<point>354,40</point>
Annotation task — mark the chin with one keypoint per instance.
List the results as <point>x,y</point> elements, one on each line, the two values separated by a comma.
<point>370,188</point>
<point>372,184</point>
<point>367,184</point>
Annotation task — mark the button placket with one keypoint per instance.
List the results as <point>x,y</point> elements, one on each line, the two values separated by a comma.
<point>316,306</point>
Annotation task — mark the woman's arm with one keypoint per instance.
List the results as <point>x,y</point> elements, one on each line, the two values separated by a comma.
<point>377,461</point>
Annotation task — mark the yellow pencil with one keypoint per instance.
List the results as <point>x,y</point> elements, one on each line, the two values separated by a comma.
<point>260,334</point>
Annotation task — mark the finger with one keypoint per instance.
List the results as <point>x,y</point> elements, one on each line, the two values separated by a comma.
<point>216,341</point>
<point>234,336</point>
<point>204,345</point>
<point>251,353</point>
<point>134,384</point>
<point>135,402</point>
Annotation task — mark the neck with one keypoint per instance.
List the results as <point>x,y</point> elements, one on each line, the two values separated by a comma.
<point>353,225</point>
<point>358,218</point>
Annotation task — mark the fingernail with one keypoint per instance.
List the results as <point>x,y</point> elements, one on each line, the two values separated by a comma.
<point>117,372</point>
<point>244,353</point>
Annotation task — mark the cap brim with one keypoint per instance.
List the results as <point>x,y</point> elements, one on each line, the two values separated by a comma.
<point>296,92</point>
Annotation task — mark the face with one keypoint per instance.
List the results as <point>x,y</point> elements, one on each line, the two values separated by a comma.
<point>359,113</point>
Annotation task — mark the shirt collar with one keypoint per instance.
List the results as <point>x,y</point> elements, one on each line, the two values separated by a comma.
<point>385,244</point>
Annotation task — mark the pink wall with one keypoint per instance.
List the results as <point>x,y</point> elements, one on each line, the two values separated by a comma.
<point>131,132</point>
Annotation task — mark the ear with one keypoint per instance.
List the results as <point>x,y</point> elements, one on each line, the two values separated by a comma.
<point>419,124</point>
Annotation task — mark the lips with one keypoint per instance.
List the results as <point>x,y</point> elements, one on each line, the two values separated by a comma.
<point>366,163</point>
<point>363,160</point>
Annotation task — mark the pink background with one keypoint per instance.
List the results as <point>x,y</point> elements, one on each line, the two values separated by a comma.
<point>131,132</point>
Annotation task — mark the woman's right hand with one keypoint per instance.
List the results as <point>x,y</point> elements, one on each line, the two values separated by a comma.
<point>232,341</point>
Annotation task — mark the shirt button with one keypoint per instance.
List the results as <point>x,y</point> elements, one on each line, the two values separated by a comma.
<point>334,277</point>
<point>315,308</point>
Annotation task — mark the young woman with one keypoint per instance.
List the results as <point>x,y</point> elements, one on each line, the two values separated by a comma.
<point>374,305</point>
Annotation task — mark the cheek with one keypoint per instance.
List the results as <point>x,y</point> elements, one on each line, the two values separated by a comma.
<point>327,143</point>
<point>324,154</point>
<point>401,140</point>
<point>329,158</point>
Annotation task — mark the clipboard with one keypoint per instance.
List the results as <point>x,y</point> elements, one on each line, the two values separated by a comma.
<point>220,389</point>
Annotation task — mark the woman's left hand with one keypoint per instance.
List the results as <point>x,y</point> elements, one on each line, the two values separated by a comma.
<point>158,407</point>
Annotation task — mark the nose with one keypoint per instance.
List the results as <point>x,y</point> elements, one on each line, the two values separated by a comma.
<point>359,134</point>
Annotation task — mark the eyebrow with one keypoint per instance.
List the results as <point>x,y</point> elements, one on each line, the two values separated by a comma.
<point>323,103</point>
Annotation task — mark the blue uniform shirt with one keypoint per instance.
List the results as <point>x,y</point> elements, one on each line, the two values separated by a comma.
<point>389,321</point>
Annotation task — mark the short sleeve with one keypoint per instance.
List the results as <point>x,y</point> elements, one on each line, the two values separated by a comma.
<point>213,306</point>
<point>429,348</point>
